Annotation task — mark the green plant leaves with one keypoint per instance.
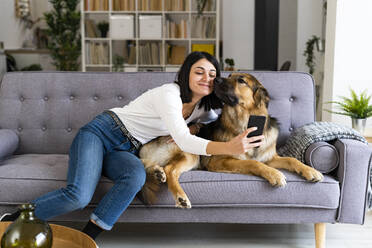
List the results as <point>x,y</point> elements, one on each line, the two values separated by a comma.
<point>63,23</point>
<point>357,106</point>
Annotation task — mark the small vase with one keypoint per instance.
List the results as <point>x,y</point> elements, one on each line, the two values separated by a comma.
<point>359,124</point>
<point>27,231</point>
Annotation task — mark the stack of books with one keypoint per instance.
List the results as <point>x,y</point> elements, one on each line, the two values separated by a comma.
<point>176,54</point>
<point>176,5</point>
<point>176,30</point>
<point>203,27</point>
<point>149,5</point>
<point>150,53</point>
<point>96,5</point>
<point>123,5</point>
<point>91,29</point>
<point>97,53</point>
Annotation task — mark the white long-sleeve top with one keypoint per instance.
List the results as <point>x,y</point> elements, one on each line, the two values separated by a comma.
<point>158,112</point>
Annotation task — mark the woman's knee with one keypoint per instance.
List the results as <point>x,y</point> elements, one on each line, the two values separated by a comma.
<point>78,199</point>
<point>137,177</point>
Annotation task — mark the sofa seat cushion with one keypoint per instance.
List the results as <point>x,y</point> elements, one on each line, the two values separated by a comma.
<point>25,177</point>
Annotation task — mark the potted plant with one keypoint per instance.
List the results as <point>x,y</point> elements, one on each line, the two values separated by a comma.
<point>309,53</point>
<point>63,23</point>
<point>229,64</point>
<point>118,63</point>
<point>357,107</point>
<point>200,5</point>
<point>103,28</point>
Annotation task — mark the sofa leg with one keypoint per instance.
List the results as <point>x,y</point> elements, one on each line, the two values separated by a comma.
<point>320,233</point>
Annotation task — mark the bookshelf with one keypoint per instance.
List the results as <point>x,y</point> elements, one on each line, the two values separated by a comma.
<point>146,35</point>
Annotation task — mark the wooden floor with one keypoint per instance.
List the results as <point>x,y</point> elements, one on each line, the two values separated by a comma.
<point>233,236</point>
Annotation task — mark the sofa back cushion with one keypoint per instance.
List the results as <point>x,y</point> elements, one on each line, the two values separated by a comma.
<point>46,109</point>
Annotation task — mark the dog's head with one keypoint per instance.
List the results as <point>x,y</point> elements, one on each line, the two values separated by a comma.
<point>243,89</point>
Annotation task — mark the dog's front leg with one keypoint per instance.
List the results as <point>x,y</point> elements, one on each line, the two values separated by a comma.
<point>179,164</point>
<point>294,165</point>
<point>154,172</point>
<point>232,165</point>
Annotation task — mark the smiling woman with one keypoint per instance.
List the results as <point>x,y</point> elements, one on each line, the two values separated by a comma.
<point>109,144</point>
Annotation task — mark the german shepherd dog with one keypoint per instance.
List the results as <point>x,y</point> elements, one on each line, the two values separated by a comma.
<point>243,95</point>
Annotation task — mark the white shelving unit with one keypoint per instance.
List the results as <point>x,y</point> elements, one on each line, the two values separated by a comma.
<point>109,47</point>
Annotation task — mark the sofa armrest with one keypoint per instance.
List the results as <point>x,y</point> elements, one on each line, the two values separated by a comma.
<point>8,143</point>
<point>322,156</point>
<point>353,173</point>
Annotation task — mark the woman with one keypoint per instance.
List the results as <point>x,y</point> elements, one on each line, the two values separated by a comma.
<point>109,143</point>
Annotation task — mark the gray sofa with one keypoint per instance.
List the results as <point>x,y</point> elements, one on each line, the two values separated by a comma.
<point>40,113</point>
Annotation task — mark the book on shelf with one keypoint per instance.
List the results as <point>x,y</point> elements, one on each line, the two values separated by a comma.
<point>123,5</point>
<point>150,26</point>
<point>176,54</point>
<point>91,29</point>
<point>97,53</point>
<point>132,54</point>
<point>96,5</point>
<point>149,5</point>
<point>122,26</point>
<point>176,30</point>
<point>176,5</point>
<point>203,27</point>
<point>125,49</point>
<point>150,53</point>
<point>209,48</point>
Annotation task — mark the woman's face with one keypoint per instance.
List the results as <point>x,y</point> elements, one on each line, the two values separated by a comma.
<point>201,78</point>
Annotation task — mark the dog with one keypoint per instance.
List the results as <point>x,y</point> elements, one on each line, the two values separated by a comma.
<point>243,95</point>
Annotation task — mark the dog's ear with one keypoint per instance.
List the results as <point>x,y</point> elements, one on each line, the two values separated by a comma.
<point>261,96</point>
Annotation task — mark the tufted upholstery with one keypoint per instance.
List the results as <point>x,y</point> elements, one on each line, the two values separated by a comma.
<point>47,108</point>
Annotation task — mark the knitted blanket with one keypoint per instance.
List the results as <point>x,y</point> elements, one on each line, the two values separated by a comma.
<point>308,134</point>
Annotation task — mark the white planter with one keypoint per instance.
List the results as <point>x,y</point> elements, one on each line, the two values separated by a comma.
<point>359,124</point>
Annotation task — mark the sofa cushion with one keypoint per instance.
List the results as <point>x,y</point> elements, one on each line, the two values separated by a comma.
<point>44,173</point>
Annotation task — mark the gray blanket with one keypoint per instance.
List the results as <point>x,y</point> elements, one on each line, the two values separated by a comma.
<point>308,134</point>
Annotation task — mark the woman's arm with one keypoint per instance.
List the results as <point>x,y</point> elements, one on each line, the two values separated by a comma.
<point>237,145</point>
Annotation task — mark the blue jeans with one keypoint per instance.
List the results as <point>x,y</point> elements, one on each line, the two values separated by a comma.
<point>99,148</point>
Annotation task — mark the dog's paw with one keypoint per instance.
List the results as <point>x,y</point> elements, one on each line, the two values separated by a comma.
<point>276,178</point>
<point>159,174</point>
<point>183,202</point>
<point>312,175</point>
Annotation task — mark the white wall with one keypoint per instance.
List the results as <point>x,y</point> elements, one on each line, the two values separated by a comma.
<point>12,30</point>
<point>287,47</point>
<point>309,23</point>
<point>349,53</point>
<point>238,32</point>
<point>298,21</point>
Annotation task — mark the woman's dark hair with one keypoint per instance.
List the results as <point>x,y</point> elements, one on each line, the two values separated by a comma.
<point>208,102</point>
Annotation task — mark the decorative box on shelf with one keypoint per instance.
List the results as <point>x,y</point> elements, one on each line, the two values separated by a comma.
<point>150,26</point>
<point>122,26</point>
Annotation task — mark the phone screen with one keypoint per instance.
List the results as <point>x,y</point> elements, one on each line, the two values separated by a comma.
<point>256,121</point>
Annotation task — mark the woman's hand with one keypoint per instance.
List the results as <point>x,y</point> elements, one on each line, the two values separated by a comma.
<point>241,144</point>
<point>194,128</point>
<point>237,145</point>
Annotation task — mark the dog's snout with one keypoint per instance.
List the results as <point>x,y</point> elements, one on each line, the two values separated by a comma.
<point>218,80</point>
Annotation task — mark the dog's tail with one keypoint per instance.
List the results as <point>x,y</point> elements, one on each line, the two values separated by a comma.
<point>148,194</point>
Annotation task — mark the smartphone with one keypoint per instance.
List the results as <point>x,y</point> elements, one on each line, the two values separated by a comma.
<point>259,122</point>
